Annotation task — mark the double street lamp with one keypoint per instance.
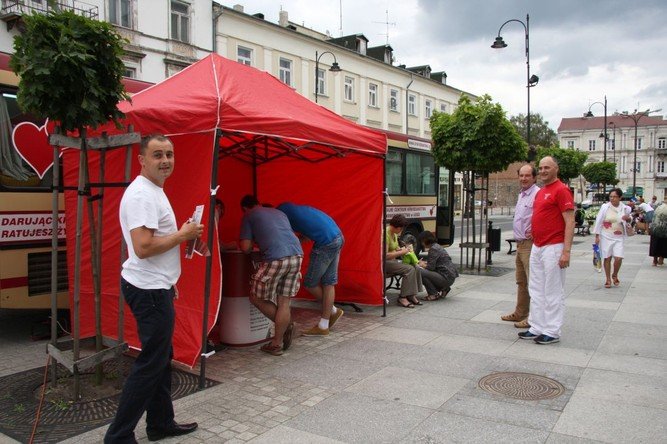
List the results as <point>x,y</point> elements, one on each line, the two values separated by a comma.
<point>530,80</point>
<point>334,68</point>
<point>636,117</point>
<point>590,114</point>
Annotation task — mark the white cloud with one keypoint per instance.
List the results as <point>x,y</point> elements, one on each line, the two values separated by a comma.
<point>581,50</point>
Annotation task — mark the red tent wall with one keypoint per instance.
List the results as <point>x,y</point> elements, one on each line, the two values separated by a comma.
<point>349,189</point>
<point>188,186</point>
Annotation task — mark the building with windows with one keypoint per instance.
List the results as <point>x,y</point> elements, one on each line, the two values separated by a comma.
<point>161,41</point>
<point>587,134</point>
<point>365,86</point>
<point>369,89</point>
<point>345,74</point>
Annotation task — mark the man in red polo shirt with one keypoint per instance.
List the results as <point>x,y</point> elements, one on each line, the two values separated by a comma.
<point>553,230</point>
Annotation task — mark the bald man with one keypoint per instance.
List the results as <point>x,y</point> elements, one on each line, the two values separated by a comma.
<point>553,230</point>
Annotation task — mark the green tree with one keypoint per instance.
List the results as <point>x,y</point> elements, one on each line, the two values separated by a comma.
<point>570,161</point>
<point>540,133</point>
<point>476,137</point>
<point>600,173</point>
<point>70,69</point>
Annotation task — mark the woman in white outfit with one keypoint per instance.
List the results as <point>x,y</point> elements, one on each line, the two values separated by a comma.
<point>610,232</point>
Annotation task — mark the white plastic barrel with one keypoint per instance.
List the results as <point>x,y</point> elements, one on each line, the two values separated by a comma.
<point>241,323</point>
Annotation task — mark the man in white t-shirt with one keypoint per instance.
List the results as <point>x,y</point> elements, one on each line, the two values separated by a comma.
<point>147,282</point>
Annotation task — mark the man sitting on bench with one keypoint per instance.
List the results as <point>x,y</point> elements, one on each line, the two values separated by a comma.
<point>580,221</point>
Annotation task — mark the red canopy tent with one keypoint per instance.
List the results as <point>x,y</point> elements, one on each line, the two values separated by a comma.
<point>239,130</point>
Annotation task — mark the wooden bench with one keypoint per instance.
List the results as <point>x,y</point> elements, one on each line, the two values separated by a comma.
<point>511,242</point>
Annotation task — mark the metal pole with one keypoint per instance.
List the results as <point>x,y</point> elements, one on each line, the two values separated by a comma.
<point>209,259</point>
<point>613,142</point>
<point>634,166</point>
<point>605,129</point>
<point>317,66</point>
<point>385,193</point>
<point>528,82</point>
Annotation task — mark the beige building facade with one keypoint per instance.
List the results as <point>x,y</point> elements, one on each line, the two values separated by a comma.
<point>649,173</point>
<point>369,89</point>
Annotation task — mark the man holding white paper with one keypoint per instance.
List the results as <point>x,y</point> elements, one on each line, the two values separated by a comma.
<point>148,277</point>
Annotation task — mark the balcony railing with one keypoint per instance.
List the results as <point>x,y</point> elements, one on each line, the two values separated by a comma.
<point>14,9</point>
<point>661,175</point>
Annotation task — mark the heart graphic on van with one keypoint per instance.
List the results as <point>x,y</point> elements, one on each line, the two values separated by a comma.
<point>32,144</point>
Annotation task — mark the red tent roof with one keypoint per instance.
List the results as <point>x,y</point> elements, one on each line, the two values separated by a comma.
<point>220,93</point>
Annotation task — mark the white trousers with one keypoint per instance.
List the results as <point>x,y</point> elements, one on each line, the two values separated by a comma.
<point>547,290</point>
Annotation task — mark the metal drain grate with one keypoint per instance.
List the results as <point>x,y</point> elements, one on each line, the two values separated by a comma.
<point>524,386</point>
<point>60,421</point>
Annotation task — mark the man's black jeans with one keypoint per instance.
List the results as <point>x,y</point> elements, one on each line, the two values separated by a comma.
<point>148,387</point>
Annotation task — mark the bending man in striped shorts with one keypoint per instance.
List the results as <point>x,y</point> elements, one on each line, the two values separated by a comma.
<point>277,279</point>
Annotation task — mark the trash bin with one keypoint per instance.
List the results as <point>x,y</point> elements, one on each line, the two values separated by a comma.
<point>494,238</point>
<point>241,323</point>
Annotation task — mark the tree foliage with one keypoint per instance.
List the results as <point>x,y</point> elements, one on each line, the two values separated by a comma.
<point>540,133</point>
<point>476,137</point>
<point>70,69</point>
<point>600,172</point>
<point>570,161</point>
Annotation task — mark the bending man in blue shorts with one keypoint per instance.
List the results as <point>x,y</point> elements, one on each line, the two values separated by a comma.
<point>322,275</point>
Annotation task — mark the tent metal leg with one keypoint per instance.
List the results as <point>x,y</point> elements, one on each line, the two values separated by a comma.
<point>209,260</point>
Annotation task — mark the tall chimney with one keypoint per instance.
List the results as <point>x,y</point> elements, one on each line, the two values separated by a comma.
<point>283,19</point>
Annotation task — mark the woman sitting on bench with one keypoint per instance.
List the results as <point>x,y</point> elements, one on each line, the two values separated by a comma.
<point>411,282</point>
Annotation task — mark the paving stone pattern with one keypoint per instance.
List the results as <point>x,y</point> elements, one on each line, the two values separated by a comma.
<point>413,376</point>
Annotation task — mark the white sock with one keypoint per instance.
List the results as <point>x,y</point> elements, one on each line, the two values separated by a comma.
<point>334,310</point>
<point>324,323</point>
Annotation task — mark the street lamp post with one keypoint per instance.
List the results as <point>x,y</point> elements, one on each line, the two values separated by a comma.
<point>636,117</point>
<point>530,80</point>
<point>613,139</point>
<point>590,114</point>
<point>334,68</point>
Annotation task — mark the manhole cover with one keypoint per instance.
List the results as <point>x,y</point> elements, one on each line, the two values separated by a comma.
<point>525,386</point>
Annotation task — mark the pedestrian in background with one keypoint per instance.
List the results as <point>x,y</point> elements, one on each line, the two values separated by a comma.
<point>610,231</point>
<point>658,246</point>
<point>521,226</point>
<point>553,230</point>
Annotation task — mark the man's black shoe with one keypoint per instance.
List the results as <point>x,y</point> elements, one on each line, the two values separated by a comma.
<point>175,430</point>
